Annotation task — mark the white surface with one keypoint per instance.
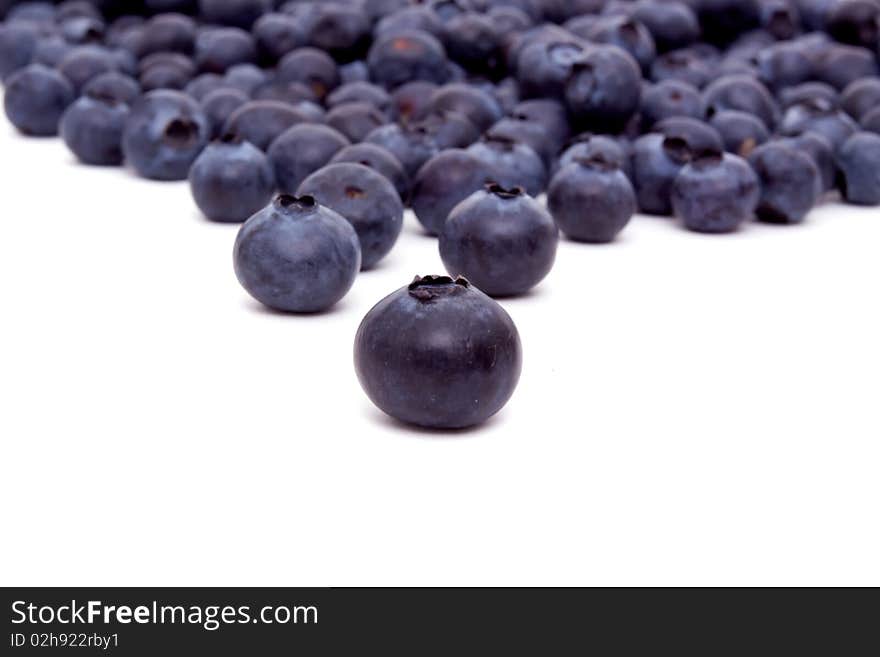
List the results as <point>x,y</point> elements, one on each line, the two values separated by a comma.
<point>693,410</point>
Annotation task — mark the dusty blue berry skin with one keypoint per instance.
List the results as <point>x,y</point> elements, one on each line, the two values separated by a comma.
<point>605,88</point>
<point>378,159</point>
<point>113,84</point>
<point>513,163</point>
<point>591,200</point>
<point>859,163</point>
<point>18,44</point>
<point>262,121</point>
<point>438,354</point>
<point>297,256</point>
<point>302,150</point>
<point>716,193</point>
<point>790,183</point>
<point>36,97</point>
<point>164,134</point>
<point>364,197</point>
<point>444,181</point>
<point>92,129</point>
<point>503,241</point>
<point>657,160</point>
<point>231,180</point>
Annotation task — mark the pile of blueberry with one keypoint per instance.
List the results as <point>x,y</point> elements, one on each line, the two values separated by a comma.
<point>316,123</point>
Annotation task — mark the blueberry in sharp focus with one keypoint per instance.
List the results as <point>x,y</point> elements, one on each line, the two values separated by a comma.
<point>164,134</point>
<point>858,160</point>
<point>262,121</point>
<point>35,99</point>
<point>300,151</point>
<point>446,179</point>
<point>378,159</point>
<point>92,129</point>
<point>544,67</point>
<point>366,199</point>
<point>438,353</point>
<point>502,240</point>
<point>297,256</point>
<point>514,164</point>
<point>591,200</point>
<point>715,193</point>
<point>604,89</point>
<point>790,183</point>
<point>231,180</point>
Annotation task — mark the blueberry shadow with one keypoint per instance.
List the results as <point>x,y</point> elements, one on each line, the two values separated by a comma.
<point>377,417</point>
<point>258,308</point>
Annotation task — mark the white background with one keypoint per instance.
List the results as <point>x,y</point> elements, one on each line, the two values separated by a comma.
<point>693,410</point>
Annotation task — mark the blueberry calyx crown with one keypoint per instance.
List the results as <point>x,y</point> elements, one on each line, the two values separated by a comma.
<point>181,133</point>
<point>707,158</point>
<point>232,138</point>
<point>427,288</point>
<point>597,161</point>
<point>506,193</point>
<point>677,149</point>
<point>296,203</point>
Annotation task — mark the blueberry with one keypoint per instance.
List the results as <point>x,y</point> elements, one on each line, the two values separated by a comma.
<point>627,34</point>
<point>820,117</point>
<point>551,114</point>
<point>311,67</point>
<point>355,120</point>
<point>784,64</point>
<point>165,75</point>
<point>205,83</point>
<point>360,92</point>
<point>858,160</point>
<point>366,199</point>
<point>401,57</point>
<point>289,93</point>
<point>473,41</point>
<point>84,63</point>
<point>410,18</point>
<point>501,240</point>
<point>164,134</point>
<point>36,98</point>
<point>841,65</point>
<point>17,46</point>
<point>808,92</point>
<point>790,183</point>
<point>246,77</point>
<point>262,121</point>
<point>591,200</point>
<point>445,180</point>
<point>438,353</point>
<point>670,98</point>
<point>657,161</point>
<point>742,93</point>
<point>871,121</point>
<point>118,86</point>
<point>684,64</point>
<point>92,129</point>
<point>301,150</point>
<point>231,180</point>
<point>297,256</point>
<point>860,97</point>
<point>818,148</point>
<point>586,146</point>
<point>220,48</point>
<point>378,159</point>
<point>513,163</point>
<point>740,132</point>
<point>412,145</point>
<point>544,67</point>
<point>478,106</point>
<point>276,35</point>
<point>715,193</point>
<point>672,24</point>
<point>219,105</point>
<point>339,30</point>
<point>168,33</point>
<point>604,89</point>
<point>239,13</point>
<point>531,133</point>
<point>448,129</point>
